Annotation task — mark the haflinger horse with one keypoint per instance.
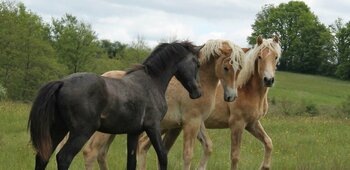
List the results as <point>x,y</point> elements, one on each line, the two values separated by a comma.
<point>83,103</point>
<point>254,80</point>
<point>220,60</point>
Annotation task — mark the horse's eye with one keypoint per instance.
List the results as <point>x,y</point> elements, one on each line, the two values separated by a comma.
<point>259,57</point>
<point>225,68</point>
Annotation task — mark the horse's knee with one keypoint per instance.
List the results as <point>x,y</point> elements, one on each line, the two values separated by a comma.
<point>188,155</point>
<point>234,158</point>
<point>268,144</point>
<point>102,157</point>
<point>209,147</point>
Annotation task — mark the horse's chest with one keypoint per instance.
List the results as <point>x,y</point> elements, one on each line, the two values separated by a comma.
<point>253,114</point>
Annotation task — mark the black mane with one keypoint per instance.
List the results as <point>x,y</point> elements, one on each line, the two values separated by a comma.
<point>156,62</point>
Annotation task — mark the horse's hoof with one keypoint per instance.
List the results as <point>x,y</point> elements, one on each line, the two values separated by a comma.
<point>265,168</point>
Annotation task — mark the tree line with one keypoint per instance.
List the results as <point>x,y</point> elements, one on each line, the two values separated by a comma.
<point>33,52</point>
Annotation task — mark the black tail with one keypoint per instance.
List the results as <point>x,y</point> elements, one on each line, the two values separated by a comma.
<point>41,118</point>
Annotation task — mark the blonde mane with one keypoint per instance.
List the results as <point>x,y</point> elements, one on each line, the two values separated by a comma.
<point>212,49</point>
<point>248,68</point>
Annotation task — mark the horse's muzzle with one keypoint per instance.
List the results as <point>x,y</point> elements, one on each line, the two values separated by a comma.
<point>230,94</point>
<point>196,94</point>
<point>269,81</point>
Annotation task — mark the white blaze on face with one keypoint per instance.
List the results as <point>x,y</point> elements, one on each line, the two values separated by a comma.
<point>269,71</point>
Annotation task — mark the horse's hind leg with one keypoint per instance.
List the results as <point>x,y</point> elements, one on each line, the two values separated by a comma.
<point>76,140</point>
<point>154,135</point>
<point>96,149</point>
<point>258,131</point>
<point>102,154</point>
<point>57,134</point>
<point>170,138</point>
<point>143,146</point>
<point>207,145</point>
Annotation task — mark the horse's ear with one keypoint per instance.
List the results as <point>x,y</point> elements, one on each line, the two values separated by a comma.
<point>245,50</point>
<point>259,40</point>
<point>276,39</point>
<point>198,48</point>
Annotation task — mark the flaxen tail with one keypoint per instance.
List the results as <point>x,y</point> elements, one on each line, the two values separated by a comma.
<point>42,117</point>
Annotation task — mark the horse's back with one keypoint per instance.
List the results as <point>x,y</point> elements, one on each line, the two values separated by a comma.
<point>83,93</point>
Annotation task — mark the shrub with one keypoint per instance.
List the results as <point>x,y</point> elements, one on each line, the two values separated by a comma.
<point>2,92</point>
<point>312,109</point>
<point>345,106</point>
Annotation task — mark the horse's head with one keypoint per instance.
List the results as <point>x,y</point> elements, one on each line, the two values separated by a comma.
<point>267,59</point>
<point>187,72</point>
<point>227,67</point>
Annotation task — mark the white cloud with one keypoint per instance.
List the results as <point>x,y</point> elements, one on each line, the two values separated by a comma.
<point>196,20</point>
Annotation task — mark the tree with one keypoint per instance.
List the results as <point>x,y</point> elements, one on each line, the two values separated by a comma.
<point>113,50</point>
<point>343,50</point>
<point>75,42</point>
<point>306,43</point>
<point>26,53</point>
<point>138,49</point>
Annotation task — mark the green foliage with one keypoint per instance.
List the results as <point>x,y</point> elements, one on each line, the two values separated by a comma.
<point>307,44</point>
<point>113,50</point>
<point>27,58</point>
<point>75,43</point>
<point>343,38</point>
<point>312,109</point>
<point>2,92</point>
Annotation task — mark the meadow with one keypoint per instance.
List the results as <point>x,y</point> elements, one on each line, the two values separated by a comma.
<point>303,138</point>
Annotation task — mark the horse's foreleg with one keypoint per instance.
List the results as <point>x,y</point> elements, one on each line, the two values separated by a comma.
<point>258,131</point>
<point>236,138</point>
<point>207,145</point>
<point>132,144</point>
<point>155,137</point>
<point>170,138</point>
<point>75,142</point>
<point>191,129</point>
<point>143,146</point>
<point>95,149</point>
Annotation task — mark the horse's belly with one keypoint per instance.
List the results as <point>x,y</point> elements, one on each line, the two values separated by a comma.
<point>121,124</point>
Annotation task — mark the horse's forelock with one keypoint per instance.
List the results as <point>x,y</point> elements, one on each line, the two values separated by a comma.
<point>248,68</point>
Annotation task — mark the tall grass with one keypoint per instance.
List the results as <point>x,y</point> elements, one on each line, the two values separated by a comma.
<point>300,142</point>
<point>299,94</point>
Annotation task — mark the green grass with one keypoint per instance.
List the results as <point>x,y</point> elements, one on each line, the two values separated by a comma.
<point>322,91</point>
<point>300,142</point>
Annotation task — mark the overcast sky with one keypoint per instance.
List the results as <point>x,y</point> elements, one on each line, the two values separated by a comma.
<point>196,20</point>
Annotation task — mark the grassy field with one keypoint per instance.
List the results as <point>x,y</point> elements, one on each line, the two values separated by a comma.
<point>300,142</point>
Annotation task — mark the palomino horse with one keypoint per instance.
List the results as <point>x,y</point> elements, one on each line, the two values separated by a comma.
<point>245,112</point>
<point>83,103</point>
<point>220,60</point>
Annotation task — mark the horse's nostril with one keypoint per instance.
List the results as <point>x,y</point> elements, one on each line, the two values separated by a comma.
<point>266,79</point>
<point>272,80</point>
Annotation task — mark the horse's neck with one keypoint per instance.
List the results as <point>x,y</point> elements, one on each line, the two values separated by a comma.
<point>164,77</point>
<point>208,78</point>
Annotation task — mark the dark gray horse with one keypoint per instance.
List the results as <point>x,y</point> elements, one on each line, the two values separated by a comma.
<point>83,103</point>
